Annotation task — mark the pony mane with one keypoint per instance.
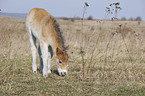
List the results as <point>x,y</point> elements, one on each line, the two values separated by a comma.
<point>59,33</point>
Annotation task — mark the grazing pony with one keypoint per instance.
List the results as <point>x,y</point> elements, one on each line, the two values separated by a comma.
<point>43,27</point>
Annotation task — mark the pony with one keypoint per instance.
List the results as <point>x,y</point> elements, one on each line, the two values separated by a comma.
<point>42,26</point>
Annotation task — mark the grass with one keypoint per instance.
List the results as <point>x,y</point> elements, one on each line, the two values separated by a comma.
<point>113,65</point>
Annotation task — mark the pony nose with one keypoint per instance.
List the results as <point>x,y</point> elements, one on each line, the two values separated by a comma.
<point>62,73</point>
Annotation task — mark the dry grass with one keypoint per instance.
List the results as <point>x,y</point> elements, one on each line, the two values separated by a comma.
<point>114,60</point>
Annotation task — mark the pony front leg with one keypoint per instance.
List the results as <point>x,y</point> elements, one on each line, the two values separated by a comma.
<point>44,56</point>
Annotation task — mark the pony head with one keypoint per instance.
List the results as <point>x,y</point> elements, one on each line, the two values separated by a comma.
<point>62,58</point>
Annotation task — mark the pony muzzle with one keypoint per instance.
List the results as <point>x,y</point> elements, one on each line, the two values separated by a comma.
<point>62,72</point>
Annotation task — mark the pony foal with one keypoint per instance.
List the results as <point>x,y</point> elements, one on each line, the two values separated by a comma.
<point>43,27</point>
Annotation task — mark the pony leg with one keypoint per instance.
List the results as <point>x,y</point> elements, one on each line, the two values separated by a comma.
<point>32,40</point>
<point>44,56</point>
<point>49,63</point>
<point>41,61</point>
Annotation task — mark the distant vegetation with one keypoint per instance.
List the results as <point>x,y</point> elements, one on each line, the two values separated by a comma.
<point>76,18</point>
<point>90,18</point>
<point>138,18</point>
<point>23,15</point>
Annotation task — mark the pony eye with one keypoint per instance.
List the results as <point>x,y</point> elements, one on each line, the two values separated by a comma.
<point>60,61</point>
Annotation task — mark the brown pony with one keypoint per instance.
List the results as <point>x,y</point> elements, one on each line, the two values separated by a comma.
<point>43,27</point>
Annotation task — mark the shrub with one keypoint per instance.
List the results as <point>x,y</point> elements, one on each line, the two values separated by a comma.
<point>138,18</point>
<point>123,19</point>
<point>130,19</point>
<point>90,18</point>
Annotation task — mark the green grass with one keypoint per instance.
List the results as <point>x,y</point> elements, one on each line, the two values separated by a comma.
<point>17,79</point>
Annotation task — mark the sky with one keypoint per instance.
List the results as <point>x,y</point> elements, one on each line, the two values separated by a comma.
<point>74,8</point>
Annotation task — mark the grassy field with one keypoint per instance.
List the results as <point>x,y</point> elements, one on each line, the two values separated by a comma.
<point>106,58</point>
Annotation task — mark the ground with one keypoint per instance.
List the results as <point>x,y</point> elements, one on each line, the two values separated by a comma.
<point>105,58</point>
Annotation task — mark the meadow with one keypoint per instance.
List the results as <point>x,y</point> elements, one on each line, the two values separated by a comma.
<point>106,58</point>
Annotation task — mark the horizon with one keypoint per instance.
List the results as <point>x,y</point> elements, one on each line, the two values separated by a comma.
<point>23,15</point>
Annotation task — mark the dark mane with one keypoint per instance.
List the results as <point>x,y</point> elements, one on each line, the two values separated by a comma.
<point>57,28</point>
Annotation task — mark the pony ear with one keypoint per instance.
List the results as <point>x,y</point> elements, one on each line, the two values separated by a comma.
<point>58,51</point>
<point>67,47</point>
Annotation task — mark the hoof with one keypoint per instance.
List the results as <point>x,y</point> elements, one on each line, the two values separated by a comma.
<point>49,71</point>
<point>34,71</point>
<point>45,75</point>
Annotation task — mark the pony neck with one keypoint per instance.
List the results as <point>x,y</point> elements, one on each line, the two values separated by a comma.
<point>58,43</point>
<point>58,40</point>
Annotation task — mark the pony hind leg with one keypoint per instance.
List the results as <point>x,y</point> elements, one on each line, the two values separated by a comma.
<point>34,50</point>
<point>46,58</point>
<point>41,61</point>
<point>32,40</point>
<point>49,63</point>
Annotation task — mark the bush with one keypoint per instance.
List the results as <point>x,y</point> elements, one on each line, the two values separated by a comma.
<point>123,19</point>
<point>130,19</point>
<point>90,18</point>
<point>65,18</point>
<point>138,18</point>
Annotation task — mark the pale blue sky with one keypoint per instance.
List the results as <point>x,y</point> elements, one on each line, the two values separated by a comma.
<point>74,8</point>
